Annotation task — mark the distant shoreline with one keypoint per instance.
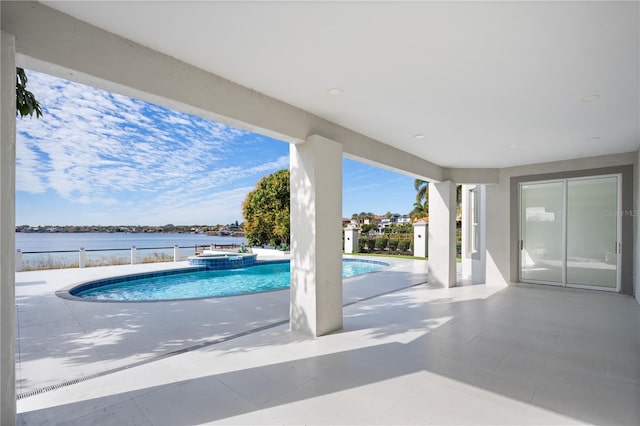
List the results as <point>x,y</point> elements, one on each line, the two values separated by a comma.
<point>211,230</point>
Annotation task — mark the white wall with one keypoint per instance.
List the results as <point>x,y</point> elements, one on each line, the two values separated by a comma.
<point>636,257</point>
<point>501,262</point>
<point>498,229</point>
<point>7,230</point>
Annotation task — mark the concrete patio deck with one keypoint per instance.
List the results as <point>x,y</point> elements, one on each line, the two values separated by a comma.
<point>60,340</point>
<point>413,355</point>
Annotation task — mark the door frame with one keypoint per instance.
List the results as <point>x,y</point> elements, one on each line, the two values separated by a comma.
<point>618,247</point>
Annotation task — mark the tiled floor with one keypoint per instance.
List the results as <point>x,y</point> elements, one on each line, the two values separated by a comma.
<point>468,355</point>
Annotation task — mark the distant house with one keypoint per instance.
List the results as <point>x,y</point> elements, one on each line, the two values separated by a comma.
<point>372,220</point>
<point>380,222</point>
<point>386,222</point>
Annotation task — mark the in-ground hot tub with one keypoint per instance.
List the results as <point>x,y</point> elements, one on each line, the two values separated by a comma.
<point>216,260</point>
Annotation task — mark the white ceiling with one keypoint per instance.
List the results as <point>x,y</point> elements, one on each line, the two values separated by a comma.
<point>488,84</point>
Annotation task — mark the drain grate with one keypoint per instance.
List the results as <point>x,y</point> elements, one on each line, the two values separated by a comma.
<point>56,386</point>
<point>197,346</point>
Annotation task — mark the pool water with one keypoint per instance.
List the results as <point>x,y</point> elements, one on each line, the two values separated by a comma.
<point>229,282</point>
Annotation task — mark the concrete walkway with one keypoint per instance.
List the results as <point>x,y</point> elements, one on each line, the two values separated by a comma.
<point>467,355</point>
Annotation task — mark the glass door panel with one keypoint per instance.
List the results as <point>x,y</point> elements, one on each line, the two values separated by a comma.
<point>592,232</point>
<point>541,245</point>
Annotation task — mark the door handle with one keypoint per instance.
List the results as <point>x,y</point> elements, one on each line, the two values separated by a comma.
<point>521,244</point>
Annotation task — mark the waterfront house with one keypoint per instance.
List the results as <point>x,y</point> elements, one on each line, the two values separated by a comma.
<point>528,105</point>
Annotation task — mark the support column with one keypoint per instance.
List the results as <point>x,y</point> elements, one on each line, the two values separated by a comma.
<point>316,236</point>
<point>479,265</point>
<point>420,238</point>
<point>442,233</point>
<point>7,228</point>
<point>351,235</point>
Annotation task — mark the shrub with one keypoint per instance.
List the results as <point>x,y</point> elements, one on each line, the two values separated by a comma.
<point>403,245</point>
<point>393,245</point>
<point>362,245</point>
<point>371,244</point>
<point>154,258</point>
<point>381,243</point>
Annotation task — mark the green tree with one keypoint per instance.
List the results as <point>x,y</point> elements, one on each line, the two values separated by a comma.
<point>417,212</point>
<point>421,206</point>
<point>367,227</point>
<point>266,210</point>
<point>26,102</point>
<point>422,194</point>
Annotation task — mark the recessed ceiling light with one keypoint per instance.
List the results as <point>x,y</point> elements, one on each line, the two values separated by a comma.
<point>593,139</point>
<point>418,136</point>
<point>335,91</point>
<point>513,145</point>
<point>591,98</point>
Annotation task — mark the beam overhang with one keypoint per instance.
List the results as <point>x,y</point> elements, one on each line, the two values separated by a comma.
<point>472,176</point>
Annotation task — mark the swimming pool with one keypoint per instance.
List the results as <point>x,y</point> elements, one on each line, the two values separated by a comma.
<point>190,284</point>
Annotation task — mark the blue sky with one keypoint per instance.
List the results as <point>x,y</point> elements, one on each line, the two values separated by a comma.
<point>98,158</point>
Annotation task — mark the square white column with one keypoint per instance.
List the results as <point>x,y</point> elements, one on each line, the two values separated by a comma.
<point>420,238</point>
<point>442,233</point>
<point>351,235</point>
<point>316,236</point>
<point>7,228</point>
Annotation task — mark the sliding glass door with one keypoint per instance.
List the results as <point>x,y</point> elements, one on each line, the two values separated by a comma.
<point>570,232</point>
<point>541,243</point>
<point>592,232</point>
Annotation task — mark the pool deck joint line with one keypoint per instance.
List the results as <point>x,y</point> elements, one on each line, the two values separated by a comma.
<point>203,344</point>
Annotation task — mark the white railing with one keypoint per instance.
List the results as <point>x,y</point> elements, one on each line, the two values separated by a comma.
<point>56,259</point>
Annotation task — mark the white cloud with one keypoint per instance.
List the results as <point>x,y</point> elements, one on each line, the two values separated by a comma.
<point>93,139</point>
<point>220,207</point>
<point>97,148</point>
<point>280,163</point>
<point>28,163</point>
